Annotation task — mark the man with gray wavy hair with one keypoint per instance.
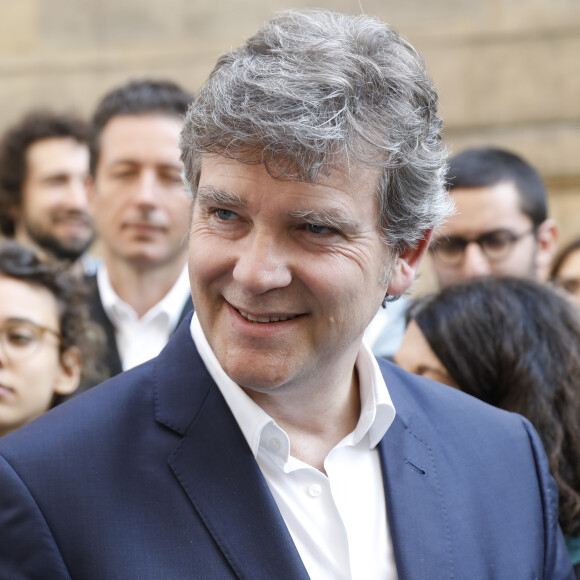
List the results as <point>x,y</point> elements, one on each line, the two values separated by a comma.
<point>266,441</point>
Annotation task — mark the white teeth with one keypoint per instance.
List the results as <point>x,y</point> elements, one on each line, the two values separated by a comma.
<point>253,318</point>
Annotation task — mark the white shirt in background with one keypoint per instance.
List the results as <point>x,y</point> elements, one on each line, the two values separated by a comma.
<point>140,339</point>
<point>385,332</point>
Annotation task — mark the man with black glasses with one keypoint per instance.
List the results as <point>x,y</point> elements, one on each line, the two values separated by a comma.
<point>501,225</point>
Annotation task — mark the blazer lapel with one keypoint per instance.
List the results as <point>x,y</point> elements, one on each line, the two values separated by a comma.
<point>216,468</point>
<point>187,308</point>
<point>416,509</point>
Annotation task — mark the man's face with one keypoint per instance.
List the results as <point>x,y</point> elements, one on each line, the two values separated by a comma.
<point>480,211</point>
<point>54,214</point>
<point>285,274</point>
<point>137,197</point>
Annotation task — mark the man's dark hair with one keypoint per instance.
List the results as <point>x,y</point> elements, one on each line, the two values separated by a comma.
<point>488,166</point>
<point>35,126</point>
<point>138,97</point>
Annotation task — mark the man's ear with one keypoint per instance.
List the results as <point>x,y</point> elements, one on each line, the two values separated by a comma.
<point>406,265</point>
<point>546,246</point>
<point>70,372</point>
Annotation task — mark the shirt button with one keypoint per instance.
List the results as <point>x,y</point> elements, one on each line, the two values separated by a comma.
<point>314,490</point>
<point>274,444</point>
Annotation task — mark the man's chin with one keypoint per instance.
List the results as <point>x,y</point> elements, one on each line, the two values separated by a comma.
<point>68,250</point>
<point>143,261</point>
<point>251,378</point>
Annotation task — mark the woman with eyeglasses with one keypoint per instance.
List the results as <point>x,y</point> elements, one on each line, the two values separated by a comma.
<point>566,270</point>
<point>45,336</point>
<point>515,344</point>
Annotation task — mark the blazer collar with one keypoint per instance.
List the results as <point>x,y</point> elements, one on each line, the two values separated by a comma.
<point>416,508</point>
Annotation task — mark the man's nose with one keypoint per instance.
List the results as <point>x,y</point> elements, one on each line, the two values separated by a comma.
<point>77,195</point>
<point>3,356</point>
<point>262,264</point>
<point>475,262</point>
<point>146,193</point>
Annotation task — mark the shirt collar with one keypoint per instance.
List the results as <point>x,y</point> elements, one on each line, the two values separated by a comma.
<point>171,304</point>
<point>377,409</point>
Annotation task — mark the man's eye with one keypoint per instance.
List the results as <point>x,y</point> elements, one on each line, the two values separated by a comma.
<point>57,180</point>
<point>450,245</point>
<point>173,178</point>
<point>122,174</point>
<point>497,241</point>
<point>320,230</point>
<point>226,214</point>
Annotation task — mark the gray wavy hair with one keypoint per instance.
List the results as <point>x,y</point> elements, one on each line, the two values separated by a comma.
<point>313,90</point>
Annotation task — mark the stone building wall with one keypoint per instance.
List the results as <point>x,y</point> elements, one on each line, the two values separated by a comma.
<point>507,71</point>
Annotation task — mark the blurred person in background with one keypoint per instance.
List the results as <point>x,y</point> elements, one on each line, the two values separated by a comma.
<point>515,344</point>
<point>501,226</point>
<point>46,340</point>
<point>44,167</point>
<point>566,270</point>
<point>137,198</point>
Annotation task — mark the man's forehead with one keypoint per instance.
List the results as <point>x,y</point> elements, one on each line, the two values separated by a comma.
<point>148,136</point>
<point>354,180</point>
<point>55,146</point>
<point>480,209</point>
<point>157,125</point>
<point>56,154</point>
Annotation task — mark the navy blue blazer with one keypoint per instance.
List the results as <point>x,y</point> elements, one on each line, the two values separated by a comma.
<point>148,476</point>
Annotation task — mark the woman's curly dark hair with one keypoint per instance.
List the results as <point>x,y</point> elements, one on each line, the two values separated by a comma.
<point>515,344</point>
<point>76,328</point>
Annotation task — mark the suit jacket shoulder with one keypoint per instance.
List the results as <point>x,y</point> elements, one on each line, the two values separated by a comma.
<point>478,475</point>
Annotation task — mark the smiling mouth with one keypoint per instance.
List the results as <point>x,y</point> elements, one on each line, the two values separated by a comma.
<point>266,319</point>
<point>5,389</point>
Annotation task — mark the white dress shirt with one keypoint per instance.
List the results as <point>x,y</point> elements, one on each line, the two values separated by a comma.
<point>338,521</point>
<point>140,339</point>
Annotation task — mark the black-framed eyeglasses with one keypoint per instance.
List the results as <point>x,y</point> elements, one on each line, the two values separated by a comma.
<point>495,245</point>
<point>20,338</point>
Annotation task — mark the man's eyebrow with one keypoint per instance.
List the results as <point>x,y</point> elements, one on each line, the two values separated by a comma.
<point>55,175</point>
<point>116,162</point>
<point>211,195</point>
<point>135,163</point>
<point>335,218</point>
